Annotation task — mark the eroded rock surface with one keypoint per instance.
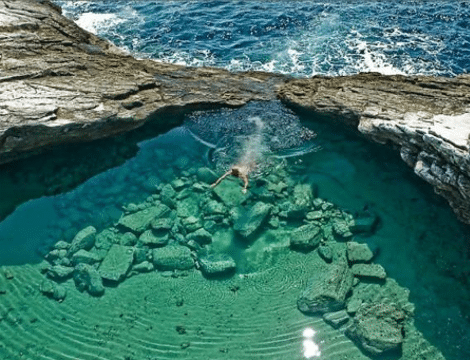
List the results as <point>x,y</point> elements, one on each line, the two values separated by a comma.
<point>59,84</point>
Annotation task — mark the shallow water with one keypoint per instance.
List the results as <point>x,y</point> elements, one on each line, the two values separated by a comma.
<point>251,314</point>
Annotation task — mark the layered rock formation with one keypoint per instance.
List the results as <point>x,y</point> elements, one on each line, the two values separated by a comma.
<point>59,83</point>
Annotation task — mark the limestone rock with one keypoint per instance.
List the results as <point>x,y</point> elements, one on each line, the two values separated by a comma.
<point>341,228</point>
<point>191,223</point>
<point>201,236</point>
<point>53,290</point>
<point>326,291</point>
<point>140,221</point>
<point>85,239</point>
<point>306,237</point>
<point>250,221</point>
<point>59,272</point>
<point>87,278</point>
<point>375,271</point>
<point>302,199</point>
<point>153,238</point>
<point>116,263</point>
<point>358,252</point>
<point>336,319</point>
<point>173,257</point>
<point>85,257</point>
<point>378,328</point>
<point>206,175</point>
<point>216,264</point>
<point>326,253</point>
<point>144,266</point>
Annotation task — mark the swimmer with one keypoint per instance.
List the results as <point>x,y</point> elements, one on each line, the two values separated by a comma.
<point>239,171</point>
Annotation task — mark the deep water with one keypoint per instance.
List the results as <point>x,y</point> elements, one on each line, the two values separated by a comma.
<point>300,38</point>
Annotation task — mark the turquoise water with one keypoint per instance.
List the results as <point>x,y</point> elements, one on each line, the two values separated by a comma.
<point>251,314</point>
<point>298,181</point>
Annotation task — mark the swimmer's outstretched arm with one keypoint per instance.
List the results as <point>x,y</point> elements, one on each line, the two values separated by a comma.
<point>221,178</point>
<point>245,182</point>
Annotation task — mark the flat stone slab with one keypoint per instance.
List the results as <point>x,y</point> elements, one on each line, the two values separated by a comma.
<point>173,257</point>
<point>116,263</point>
<point>140,221</point>
<point>229,192</point>
<point>306,237</point>
<point>85,239</point>
<point>375,271</point>
<point>336,319</point>
<point>326,290</point>
<point>217,264</point>
<point>250,221</point>
<point>358,252</point>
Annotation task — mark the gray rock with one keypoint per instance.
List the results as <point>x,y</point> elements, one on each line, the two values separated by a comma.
<point>250,221</point>
<point>106,238</point>
<point>217,264</point>
<point>314,215</point>
<point>127,239</point>
<point>162,224</point>
<point>206,175</point>
<point>59,272</point>
<point>326,290</point>
<point>87,278</point>
<point>229,192</point>
<point>61,245</point>
<point>140,221</point>
<point>302,199</point>
<point>375,271</point>
<point>306,237</point>
<point>85,239</point>
<point>85,257</point>
<point>53,290</point>
<point>188,207</point>
<point>116,263</point>
<point>341,228</point>
<point>358,252</point>
<point>201,236</point>
<point>378,328</point>
<point>152,238</point>
<point>326,253</point>
<point>214,208</point>
<point>144,266</point>
<point>336,319</point>
<point>191,223</point>
<point>173,257</point>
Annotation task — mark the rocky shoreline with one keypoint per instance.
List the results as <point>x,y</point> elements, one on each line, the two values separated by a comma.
<point>61,84</point>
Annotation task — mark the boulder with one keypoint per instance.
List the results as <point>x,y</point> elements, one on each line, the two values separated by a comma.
<point>358,252</point>
<point>87,278</point>
<point>206,175</point>
<point>172,257</point>
<point>201,236</point>
<point>229,192</point>
<point>116,263</point>
<point>251,220</point>
<point>326,291</point>
<point>144,266</point>
<point>85,257</point>
<point>153,238</point>
<point>302,199</point>
<point>191,223</point>
<point>140,221</point>
<point>336,319</point>
<point>306,237</point>
<point>374,271</point>
<point>377,328</point>
<point>325,253</point>
<point>60,272</point>
<point>341,228</point>
<point>106,238</point>
<point>53,290</point>
<point>217,264</point>
<point>85,239</point>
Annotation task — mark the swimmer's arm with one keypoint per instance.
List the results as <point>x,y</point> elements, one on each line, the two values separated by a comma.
<point>245,181</point>
<point>221,178</point>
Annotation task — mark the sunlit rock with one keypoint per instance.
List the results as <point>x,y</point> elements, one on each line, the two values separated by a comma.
<point>85,239</point>
<point>358,252</point>
<point>372,271</point>
<point>216,264</point>
<point>172,257</point>
<point>116,263</point>
<point>251,220</point>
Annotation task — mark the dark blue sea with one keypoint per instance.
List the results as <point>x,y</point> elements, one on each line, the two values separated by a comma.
<point>151,228</point>
<point>300,38</point>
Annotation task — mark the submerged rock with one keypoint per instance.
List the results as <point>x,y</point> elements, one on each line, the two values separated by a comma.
<point>173,257</point>
<point>116,263</point>
<point>326,291</point>
<point>59,272</point>
<point>53,290</point>
<point>326,253</point>
<point>251,220</point>
<point>217,264</point>
<point>375,271</point>
<point>336,319</point>
<point>153,238</point>
<point>378,328</point>
<point>201,236</point>
<point>140,221</point>
<point>87,278</point>
<point>358,252</point>
<point>306,237</point>
<point>85,239</point>
<point>206,175</point>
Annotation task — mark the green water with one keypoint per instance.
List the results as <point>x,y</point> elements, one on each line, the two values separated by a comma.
<point>251,313</point>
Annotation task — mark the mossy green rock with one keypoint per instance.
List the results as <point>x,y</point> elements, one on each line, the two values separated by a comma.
<point>249,221</point>
<point>116,263</point>
<point>85,239</point>
<point>173,257</point>
<point>140,221</point>
<point>229,192</point>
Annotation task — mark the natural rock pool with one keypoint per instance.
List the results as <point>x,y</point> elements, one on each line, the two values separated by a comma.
<point>336,250</point>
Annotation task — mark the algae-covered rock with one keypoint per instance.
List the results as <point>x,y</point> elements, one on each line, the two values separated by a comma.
<point>191,223</point>
<point>336,319</point>
<point>61,245</point>
<point>229,192</point>
<point>188,207</point>
<point>214,208</point>
<point>53,290</point>
<point>59,272</point>
<point>162,224</point>
<point>326,290</point>
<point>173,257</point>
<point>154,238</point>
<point>206,175</point>
<point>217,264</point>
<point>140,221</point>
<point>358,252</point>
<point>326,253</point>
<point>106,238</point>
<point>306,237</point>
<point>144,266</point>
<point>341,228</point>
<point>116,263</point>
<point>127,239</point>
<point>375,271</point>
<point>201,236</point>
<point>85,257</point>
<point>85,239</point>
<point>377,327</point>
<point>87,278</point>
<point>302,199</point>
<point>250,221</point>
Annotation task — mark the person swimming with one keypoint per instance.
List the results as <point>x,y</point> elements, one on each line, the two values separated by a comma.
<point>240,171</point>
